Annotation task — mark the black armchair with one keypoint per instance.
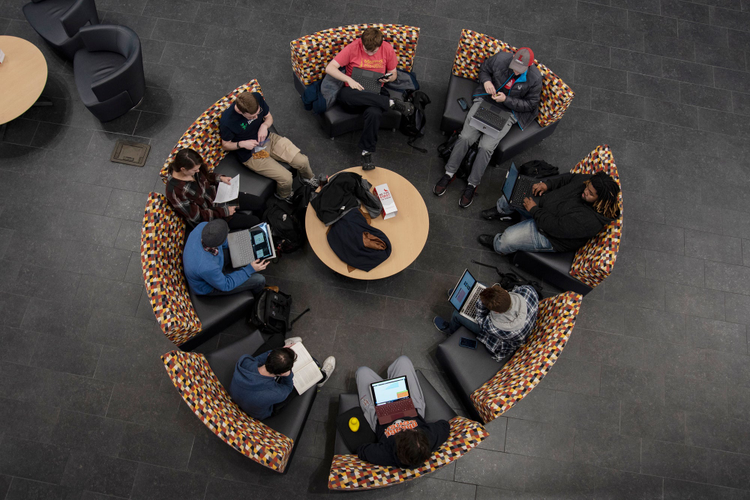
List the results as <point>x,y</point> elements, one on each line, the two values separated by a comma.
<point>109,70</point>
<point>58,22</point>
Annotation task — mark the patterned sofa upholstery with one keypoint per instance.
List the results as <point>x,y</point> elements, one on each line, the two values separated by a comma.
<point>489,389</point>
<point>203,137</point>
<point>583,270</point>
<point>201,389</point>
<point>348,472</point>
<point>473,49</point>
<point>185,319</point>
<point>312,53</point>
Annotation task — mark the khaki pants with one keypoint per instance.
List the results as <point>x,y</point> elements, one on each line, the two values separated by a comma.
<point>281,149</point>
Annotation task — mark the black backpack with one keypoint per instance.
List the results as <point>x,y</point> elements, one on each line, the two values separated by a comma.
<point>538,169</point>
<point>272,311</point>
<point>446,148</point>
<point>288,231</point>
<point>414,126</point>
<point>510,280</point>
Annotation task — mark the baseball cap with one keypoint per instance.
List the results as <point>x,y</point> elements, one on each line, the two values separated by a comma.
<point>522,59</point>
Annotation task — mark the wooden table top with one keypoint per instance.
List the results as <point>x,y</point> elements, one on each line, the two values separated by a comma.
<point>407,231</point>
<point>22,77</point>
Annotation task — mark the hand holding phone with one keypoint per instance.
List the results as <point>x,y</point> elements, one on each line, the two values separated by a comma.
<point>384,78</point>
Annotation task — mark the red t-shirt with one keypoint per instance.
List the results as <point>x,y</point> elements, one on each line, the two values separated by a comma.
<point>354,56</point>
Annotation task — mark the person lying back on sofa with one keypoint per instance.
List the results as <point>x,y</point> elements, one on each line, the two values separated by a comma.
<point>565,213</point>
<point>191,190</point>
<point>206,269</point>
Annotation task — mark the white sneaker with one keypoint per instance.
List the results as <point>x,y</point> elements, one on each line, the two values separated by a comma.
<point>292,340</point>
<point>328,366</point>
<point>313,182</point>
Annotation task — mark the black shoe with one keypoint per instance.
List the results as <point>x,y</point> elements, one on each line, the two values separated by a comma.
<point>442,184</point>
<point>493,214</point>
<point>367,163</point>
<point>405,108</point>
<point>467,197</point>
<point>486,240</point>
<point>288,199</point>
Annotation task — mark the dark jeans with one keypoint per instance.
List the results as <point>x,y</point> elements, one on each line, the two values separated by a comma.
<point>372,106</point>
<point>247,203</point>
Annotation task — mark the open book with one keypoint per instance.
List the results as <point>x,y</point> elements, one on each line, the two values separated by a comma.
<point>306,371</point>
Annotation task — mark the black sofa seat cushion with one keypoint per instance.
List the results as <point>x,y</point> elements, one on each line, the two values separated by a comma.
<point>552,267</point>
<point>250,182</point>
<point>217,313</point>
<point>468,369</point>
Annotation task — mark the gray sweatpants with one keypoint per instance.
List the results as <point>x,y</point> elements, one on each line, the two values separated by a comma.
<point>365,376</point>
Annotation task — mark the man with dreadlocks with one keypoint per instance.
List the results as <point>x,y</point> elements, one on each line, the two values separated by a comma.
<point>565,212</point>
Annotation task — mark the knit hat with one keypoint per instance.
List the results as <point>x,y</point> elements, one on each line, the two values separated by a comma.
<point>522,59</point>
<point>214,233</point>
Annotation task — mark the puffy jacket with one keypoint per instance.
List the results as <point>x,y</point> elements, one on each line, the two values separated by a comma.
<point>563,217</point>
<point>523,98</point>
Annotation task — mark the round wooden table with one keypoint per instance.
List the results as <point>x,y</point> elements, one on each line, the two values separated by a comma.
<point>407,231</point>
<point>23,75</point>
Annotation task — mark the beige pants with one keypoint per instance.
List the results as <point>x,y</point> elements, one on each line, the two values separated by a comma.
<point>281,149</point>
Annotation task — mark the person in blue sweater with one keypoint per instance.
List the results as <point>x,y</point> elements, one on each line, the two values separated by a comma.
<point>204,262</point>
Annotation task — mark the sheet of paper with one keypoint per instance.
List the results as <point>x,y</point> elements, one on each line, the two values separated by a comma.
<point>229,192</point>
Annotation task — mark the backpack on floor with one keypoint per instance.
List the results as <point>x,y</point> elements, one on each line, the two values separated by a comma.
<point>414,126</point>
<point>272,311</point>
<point>446,149</point>
<point>510,280</point>
<point>538,169</point>
<point>288,232</point>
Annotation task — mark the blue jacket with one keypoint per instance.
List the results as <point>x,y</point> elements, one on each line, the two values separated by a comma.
<point>255,393</point>
<point>204,272</point>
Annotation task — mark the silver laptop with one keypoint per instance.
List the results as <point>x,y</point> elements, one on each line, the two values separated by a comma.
<point>251,244</point>
<point>490,119</point>
<point>465,295</point>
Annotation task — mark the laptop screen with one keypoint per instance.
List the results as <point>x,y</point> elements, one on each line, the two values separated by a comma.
<point>391,390</point>
<point>510,181</point>
<point>462,290</point>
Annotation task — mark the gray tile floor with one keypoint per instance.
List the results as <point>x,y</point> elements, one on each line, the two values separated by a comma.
<point>649,400</point>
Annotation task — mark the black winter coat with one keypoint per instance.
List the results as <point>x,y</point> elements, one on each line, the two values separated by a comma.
<point>564,217</point>
<point>343,193</point>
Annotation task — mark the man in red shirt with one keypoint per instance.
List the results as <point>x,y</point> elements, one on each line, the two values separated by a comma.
<point>371,53</point>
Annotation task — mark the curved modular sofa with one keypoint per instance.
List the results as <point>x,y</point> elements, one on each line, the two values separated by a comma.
<point>473,49</point>
<point>488,389</point>
<point>583,270</point>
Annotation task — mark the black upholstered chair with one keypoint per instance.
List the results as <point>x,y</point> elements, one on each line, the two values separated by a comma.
<point>109,70</point>
<point>58,22</point>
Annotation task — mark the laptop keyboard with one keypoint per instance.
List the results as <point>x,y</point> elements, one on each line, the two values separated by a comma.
<point>522,190</point>
<point>471,303</point>
<point>370,85</point>
<point>493,119</point>
<point>242,247</point>
<point>400,406</point>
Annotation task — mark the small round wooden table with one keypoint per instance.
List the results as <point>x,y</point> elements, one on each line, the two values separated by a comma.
<point>407,231</point>
<point>23,75</point>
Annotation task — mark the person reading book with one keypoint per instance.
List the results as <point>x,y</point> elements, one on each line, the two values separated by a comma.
<point>263,384</point>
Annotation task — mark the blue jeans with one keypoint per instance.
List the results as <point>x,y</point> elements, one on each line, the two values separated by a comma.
<point>457,321</point>
<point>522,236</point>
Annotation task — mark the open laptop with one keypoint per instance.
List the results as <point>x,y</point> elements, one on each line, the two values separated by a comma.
<point>490,119</point>
<point>392,401</point>
<point>368,79</point>
<point>465,295</point>
<point>517,186</point>
<point>251,244</point>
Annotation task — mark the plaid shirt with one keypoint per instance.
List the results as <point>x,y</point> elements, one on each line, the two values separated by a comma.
<point>194,200</point>
<point>500,342</point>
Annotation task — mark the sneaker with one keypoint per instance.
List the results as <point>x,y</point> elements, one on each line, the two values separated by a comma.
<point>292,340</point>
<point>403,107</point>
<point>312,182</point>
<point>442,184</point>
<point>288,199</point>
<point>493,214</point>
<point>442,325</point>
<point>467,197</point>
<point>328,366</point>
<point>367,163</point>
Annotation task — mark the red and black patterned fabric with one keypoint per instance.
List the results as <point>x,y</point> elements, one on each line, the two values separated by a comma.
<point>528,366</point>
<point>209,400</point>
<point>348,472</point>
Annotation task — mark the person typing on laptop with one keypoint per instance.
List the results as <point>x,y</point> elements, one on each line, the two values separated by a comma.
<point>564,213</point>
<point>404,442</point>
<point>370,53</point>
<point>515,84</point>
<point>207,269</point>
<point>502,319</point>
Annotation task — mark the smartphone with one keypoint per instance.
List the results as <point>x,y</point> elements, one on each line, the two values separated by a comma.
<point>467,343</point>
<point>387,75</point>
<point>462,103</point>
